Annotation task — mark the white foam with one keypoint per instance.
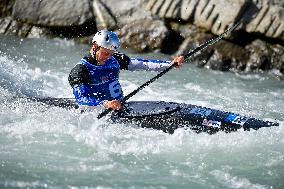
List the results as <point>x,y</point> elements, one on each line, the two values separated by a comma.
<point>235,182</point>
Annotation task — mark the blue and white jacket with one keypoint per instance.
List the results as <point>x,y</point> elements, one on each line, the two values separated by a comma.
<point>93,84</point>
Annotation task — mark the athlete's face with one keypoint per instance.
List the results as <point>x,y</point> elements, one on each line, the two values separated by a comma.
<point>103,55</point>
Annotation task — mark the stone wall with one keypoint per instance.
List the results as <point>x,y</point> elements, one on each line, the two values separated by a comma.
<point>265,17</point>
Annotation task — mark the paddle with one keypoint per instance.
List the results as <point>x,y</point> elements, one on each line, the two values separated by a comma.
<point>191,53</point>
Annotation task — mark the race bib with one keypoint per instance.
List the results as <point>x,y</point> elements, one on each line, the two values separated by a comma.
<point>115,89</point>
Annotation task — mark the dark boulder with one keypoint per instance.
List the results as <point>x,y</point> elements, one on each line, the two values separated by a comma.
<point>265,56</point>
<point>143,35</point>
<point>52,13</point>
<point>6,7</point>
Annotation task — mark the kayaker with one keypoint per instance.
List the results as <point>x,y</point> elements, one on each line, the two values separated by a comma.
<point>95,78</point>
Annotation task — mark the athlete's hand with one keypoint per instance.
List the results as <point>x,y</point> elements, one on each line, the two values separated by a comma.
<point>112,104</point>
<point>178,61</point>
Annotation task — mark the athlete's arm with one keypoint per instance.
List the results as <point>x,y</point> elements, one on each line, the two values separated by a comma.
<point>149,65</point>
<point>78,79</point>
<point>133,64</point>
<point>154,65</point>
<point>78,76</point>
<point>122,59</point>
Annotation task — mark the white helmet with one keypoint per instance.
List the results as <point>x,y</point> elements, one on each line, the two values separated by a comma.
<point>107,39</point>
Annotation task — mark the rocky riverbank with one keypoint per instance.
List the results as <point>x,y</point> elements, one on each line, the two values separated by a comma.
<point>167,26</point>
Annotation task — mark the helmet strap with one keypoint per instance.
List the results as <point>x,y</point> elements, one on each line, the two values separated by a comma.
<point>95,50</point>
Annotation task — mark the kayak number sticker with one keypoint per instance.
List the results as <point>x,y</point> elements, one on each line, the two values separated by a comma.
<point>240,120</point>
<point>115,89</point>
<point>211,123</point>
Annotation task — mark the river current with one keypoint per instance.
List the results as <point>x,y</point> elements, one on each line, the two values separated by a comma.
<point>54,148</point>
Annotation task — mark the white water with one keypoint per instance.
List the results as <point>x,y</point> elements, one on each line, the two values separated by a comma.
<point>55,148</point>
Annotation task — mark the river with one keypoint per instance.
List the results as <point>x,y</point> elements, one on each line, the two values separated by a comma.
<point>55,148</point>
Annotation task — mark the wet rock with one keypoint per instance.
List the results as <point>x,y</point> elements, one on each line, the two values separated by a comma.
<point>163,8</point>
<point>223,55</point>
<point>6,7</point>
<point>62,18</point>
<point>52,13</point>
<point>122,12</point>
<point>75,18</point>
<point>265,56</point>
<point>259,16</point>
<point>193,37</point>
<point>277,2</point>
<point>217,15</point>
<point>37,32</point>
<point>269,20</point>
<point>104,16</point>
<point>9,26</point>
<point>227,56</point>
<point>143,35</point>
<point>18,28</point>
<point>213,15</point>
<point>4,24</point>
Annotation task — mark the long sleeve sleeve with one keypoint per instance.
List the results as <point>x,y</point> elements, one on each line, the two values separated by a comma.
<point>149,65</point>
<point>134,64</point>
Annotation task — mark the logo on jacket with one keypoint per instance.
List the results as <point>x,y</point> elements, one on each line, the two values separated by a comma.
<point>105,78</point>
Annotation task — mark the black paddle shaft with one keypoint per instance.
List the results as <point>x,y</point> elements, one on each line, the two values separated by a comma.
<point>188,55</point>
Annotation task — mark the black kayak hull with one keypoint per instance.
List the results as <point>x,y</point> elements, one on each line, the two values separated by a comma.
<point>169,116</point>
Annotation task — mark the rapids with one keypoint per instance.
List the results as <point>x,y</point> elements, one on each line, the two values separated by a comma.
<point>55,148</point>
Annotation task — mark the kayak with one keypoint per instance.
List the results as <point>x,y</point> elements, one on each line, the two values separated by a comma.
<point>169,116</point>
